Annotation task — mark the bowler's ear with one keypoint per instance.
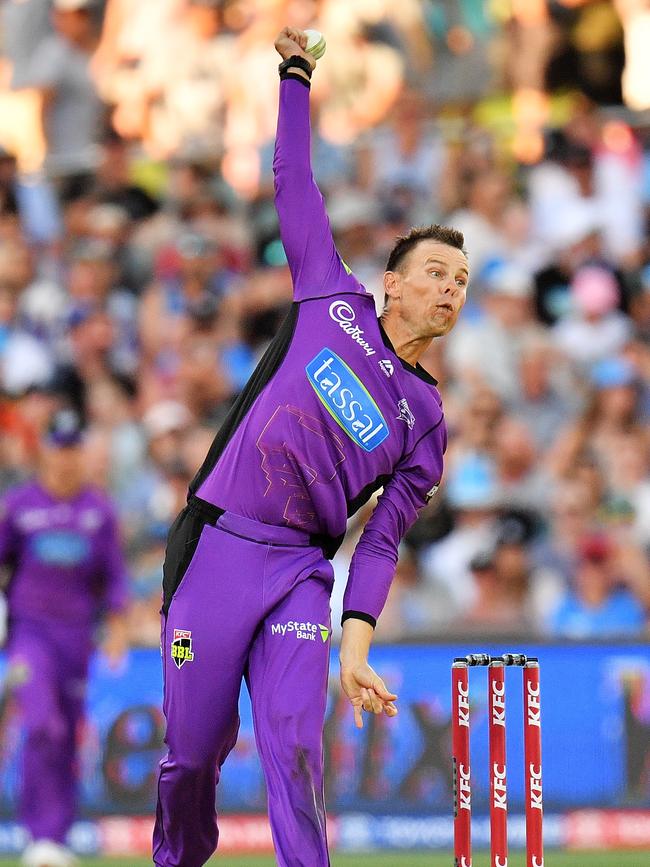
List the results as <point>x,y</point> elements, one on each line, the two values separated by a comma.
<point>391,284</point>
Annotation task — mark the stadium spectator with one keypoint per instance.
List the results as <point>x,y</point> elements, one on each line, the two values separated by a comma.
<point>548,393</point>
<point>484,219</point>
<point>72,110</point>
<point>520,479</point>
<point>25,361</point>
<point>192,288</point>
<point>577,243</point>
<point>404,160</point>
<point>600,605</point>
<point>491,343</point>
<point>554,555</point>
<point>613,409</point>
<point>499,606</point>
<point>627,476</point>
<point>472,493</point>
<point>593,329</point>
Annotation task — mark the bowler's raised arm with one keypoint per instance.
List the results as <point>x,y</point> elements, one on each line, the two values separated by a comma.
<point>316,268</point>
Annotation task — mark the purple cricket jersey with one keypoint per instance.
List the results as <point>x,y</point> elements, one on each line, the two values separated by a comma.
<point>331,414</point>
<point>65,556</point>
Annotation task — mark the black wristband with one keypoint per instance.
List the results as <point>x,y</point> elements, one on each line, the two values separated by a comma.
<point>296,61</point>
<point>358,615</point>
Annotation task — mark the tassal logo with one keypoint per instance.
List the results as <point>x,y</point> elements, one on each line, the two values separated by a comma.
<point>347,399</point>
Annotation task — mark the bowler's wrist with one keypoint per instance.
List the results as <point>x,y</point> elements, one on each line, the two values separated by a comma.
<point>355,643</point>
<point>296,76</point>
<point>348,664</point>
<point>350,614</point>
<point>295,65</point>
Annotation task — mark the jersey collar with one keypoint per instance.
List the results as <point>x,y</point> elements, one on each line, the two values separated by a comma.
<point>418,370</point>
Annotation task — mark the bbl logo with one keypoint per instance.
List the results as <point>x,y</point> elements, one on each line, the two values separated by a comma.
<point>182,647</point>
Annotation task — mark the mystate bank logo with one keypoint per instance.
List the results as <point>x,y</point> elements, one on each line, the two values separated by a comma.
<point>303,630</point>
<point>347,399</point>
<point>344,314</point>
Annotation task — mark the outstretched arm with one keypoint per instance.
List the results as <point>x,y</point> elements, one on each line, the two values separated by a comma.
<point>316,267</point>
<point>373,566</point>
<point>373,563</point>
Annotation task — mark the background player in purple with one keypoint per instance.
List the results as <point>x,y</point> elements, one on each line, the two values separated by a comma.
<point>338,408</point>
<point>59,538</point>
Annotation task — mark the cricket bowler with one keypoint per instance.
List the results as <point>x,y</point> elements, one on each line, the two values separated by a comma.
<point>337,408</point>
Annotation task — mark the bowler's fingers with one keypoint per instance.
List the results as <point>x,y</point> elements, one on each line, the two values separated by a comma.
<point>380,688</point>
<point>358,716</point>
<point>371,701</point>
<point>390,709</point>
<point>296,36</point>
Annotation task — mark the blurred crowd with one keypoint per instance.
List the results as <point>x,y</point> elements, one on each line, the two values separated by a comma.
<point>142,276</point>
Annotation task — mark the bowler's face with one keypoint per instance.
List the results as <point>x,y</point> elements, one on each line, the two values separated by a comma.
<point>432,285</point>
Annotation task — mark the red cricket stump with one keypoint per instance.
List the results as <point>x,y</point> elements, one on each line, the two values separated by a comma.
<point>461,764</point>
<point>497,750</point>
<point>533,762</point>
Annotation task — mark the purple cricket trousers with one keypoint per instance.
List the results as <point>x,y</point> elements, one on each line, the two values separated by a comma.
<point>48,663</point>
<point>251,601</point>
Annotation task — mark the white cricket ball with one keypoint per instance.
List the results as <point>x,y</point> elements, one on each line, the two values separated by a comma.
<point>315,43</point>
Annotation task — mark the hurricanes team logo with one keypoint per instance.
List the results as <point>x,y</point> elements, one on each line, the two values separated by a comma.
<point>182,647</point>
<point>405,413</point>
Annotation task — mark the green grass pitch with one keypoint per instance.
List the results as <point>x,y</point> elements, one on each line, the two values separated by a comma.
<point>429,859</point>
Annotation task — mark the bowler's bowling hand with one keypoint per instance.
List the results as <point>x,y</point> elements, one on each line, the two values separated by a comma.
<point>366,691</point>
<point>292,41</point>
